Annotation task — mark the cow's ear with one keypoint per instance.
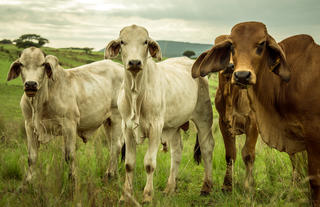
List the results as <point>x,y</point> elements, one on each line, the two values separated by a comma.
<point>50,65</point>
<point>196,65</point>
<point>154,49</point>
<point>217,58</point>
<point>14,71</point>
<point>112,50</point>
<point>276,59</point>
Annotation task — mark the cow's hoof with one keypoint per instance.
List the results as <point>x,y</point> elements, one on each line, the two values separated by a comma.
<point>226,188</point>
<point>147,198</point>
<point>169,190</point>
<point>249,185</point>
<point>122,200</point>
<point>109,176</point>
<point>206,188</point>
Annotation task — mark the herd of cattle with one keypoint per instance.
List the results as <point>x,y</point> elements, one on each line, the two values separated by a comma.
<point>265,88</point>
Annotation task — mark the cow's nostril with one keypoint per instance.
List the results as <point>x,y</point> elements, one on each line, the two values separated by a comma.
<point>31,84</point>
<point>134,63</point>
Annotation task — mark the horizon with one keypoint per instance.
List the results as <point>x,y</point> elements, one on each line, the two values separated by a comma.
<point>78,23</point>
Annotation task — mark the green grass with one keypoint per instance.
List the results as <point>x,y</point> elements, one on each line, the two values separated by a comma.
<point>272,169</point>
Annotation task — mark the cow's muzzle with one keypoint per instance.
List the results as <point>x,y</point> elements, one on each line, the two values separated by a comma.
<point>242,77</point>
<point>134,66</point>
<point>30,88</point>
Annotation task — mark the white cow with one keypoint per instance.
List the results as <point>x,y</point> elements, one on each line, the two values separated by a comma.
<point>155,100</point>
<point>68,103</point>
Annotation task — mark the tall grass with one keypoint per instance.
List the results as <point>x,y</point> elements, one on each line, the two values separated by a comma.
<point>272,172</point>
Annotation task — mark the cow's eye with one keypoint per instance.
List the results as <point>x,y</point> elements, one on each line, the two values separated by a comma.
<point>260,47</point>
<point>146,42</point>
<point>121,42</point>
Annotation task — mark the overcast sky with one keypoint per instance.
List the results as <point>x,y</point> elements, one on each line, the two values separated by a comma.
<point>93,23</point>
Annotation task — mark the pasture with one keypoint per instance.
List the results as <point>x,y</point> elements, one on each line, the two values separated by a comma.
<point>272,169</point>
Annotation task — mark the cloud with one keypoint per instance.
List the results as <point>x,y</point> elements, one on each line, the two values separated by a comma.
<point>82,23</point>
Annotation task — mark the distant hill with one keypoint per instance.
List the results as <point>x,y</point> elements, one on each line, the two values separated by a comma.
<point>175,49</point>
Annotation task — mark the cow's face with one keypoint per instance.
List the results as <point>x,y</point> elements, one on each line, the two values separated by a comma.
<point>33,68</point>
<point>134,44</point>
<point>251,49</point>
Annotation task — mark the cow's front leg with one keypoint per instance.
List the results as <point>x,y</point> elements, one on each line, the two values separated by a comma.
<point>69,134</point>
<point>130,163</point>
<point>150,159</point>
<point>248,153</point>
<point>33,146</point>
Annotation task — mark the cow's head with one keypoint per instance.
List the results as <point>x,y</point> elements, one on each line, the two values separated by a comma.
<point>252,50</point>
<point>34,67</point>
<point>134,44</point>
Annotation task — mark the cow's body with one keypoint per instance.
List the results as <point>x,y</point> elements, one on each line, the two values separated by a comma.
<point>283,88</point>
<point>156,99</point>
<point>236,118</point>
<point>68,103</point>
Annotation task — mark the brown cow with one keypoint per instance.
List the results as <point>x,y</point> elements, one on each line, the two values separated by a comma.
<point>283,88</point>
<point>235,118</point>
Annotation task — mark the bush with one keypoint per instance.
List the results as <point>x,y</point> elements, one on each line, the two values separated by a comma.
<point>5,41</point>
<point>189,53</point>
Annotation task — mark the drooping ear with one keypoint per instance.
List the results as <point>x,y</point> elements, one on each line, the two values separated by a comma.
<point>276,59</point>
<point>112,50</point>
<point>154,49</point>
<point>217,58</point>
<point>14,70</point>
<point>51,63</point>
<point>195,71</point>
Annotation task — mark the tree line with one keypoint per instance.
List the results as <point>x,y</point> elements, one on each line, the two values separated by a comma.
<point>35,40</point>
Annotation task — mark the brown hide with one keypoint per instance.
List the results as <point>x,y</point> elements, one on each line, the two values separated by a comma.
<point>283,88</point>
<point>233,106</point>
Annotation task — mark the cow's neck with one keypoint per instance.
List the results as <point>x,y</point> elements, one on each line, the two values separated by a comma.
<point>135,88</point>
<point>268,99</point>
<point>41,97</point>
<point>269,88</point>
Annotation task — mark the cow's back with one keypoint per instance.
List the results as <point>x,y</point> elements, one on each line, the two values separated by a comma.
<point>181,90</point>
<point>96,87</point>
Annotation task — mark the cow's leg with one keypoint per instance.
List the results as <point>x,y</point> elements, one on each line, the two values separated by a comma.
<point>203,123</point>
<point>203,117</point>
<point>176,150</point>
<point>248,153</point>
<point>150,159</point>
<point>69,134</point>
<point>115,142</point>
<point>33,146</point>
<point>314,171</point>
<point>130,162</point>
<point>230,146</point>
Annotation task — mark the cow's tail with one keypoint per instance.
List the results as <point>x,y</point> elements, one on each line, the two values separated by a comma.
<point>123,152</point>
<point>197,151</point>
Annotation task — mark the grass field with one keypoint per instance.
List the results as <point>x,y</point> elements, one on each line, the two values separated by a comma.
<point>272,169</point>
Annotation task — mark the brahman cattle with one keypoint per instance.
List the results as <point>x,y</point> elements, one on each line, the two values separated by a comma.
<point>155,100</point>
<point>69,103</point>
<point>235,118</point>
<point>283,88</point>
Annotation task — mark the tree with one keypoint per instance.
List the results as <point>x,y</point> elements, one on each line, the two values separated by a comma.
<point>188,53</point>
<point>88,50</point>
<point>5,41</point>
<point>28,40</point>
